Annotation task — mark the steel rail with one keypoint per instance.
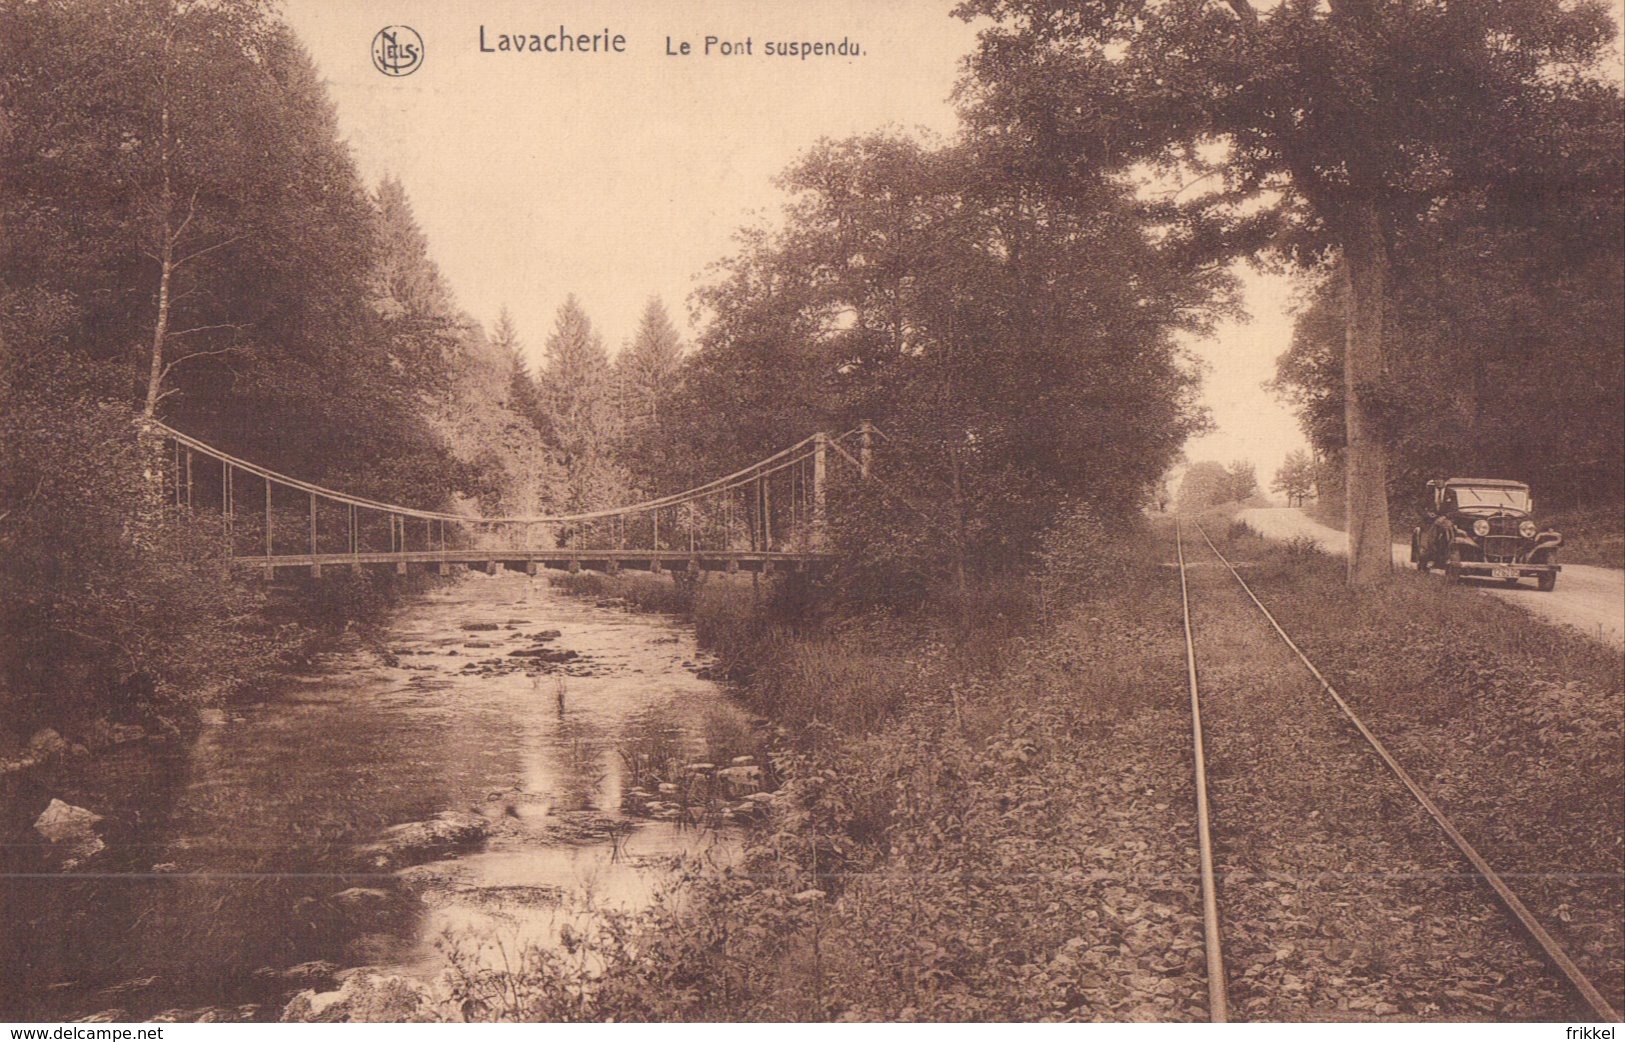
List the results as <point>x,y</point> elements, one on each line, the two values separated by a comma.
<point>1548,944</point>
<point>1217,993</point>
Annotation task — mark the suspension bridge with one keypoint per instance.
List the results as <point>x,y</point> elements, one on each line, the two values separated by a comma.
<point>769,516</point>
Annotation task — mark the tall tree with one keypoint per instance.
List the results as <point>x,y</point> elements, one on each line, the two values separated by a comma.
<point>577,396</point>
<point>524,396</point>
<point>1511,308</point>
<point>647,370</point>
<point>648,366</point>
<point>1242,481</point>
<point>259,318</point>
<point>1296,477</point>
<point>1204,484</point>
<point>1014,343</point>
<point>1323,125</point>
<point>410,295</point>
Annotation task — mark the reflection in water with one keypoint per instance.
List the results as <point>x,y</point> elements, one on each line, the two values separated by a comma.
<point>258,864</point>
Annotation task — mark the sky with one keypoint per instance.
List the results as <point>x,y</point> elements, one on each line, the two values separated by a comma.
<point>621,176</point>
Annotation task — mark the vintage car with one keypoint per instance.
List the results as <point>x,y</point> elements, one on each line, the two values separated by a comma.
<point>1482,527</point>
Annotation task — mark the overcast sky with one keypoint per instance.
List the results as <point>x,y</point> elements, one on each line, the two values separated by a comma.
<point>622,176</point>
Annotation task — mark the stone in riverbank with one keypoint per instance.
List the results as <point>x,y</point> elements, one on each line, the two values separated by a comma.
<point>47,742</point>
<point>546,654</point>
<point>419,841</point>
<point>314,974</point>
<point>365,996</point>
<point>71,833</point>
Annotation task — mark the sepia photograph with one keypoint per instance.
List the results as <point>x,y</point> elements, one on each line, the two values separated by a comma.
<point>745,511</point>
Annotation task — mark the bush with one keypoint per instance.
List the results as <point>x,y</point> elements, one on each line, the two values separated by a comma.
<point>1079,553</point>
<point>103,612</point>
<point>1240,529</point>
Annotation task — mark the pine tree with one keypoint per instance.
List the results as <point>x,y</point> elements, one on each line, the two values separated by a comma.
<point>409,293</point>
<point>647,368</point>
<point>577,398</point>
<point>524,396</point>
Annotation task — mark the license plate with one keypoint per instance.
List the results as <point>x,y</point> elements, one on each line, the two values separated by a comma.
<point>1504,573</point>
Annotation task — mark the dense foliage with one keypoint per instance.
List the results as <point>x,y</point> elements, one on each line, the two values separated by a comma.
<point>1014,344</point>
<point>1207,484</point>
<point>1309,129</point>
<point>1510,322</point>
<point>186,237</point>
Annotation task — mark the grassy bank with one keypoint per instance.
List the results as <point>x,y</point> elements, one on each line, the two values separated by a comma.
<point>989,817</point>
<point>1514,727</point>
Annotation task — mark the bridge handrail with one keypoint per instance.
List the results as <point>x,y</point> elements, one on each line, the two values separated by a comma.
<point>737,479</point>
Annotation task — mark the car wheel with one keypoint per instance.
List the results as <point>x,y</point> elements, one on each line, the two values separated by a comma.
<point>1548,582</point>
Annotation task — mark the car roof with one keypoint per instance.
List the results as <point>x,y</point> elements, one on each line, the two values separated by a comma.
<point>1485,483</point>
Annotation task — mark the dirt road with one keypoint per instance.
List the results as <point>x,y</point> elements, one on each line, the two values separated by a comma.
<point>1590,599</point>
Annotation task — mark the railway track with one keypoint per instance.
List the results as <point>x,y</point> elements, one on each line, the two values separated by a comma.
<point>1218,978</point>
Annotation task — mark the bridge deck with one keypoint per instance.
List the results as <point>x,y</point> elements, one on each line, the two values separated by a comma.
<point>531,561</point>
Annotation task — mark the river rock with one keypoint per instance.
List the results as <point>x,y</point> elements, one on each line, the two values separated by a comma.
<point>367,996</point>
<point>208,1015</point>
<point>106,1016</point>
<point>103,733</point>
<point>546,654</point>
<point>366,908</point>
<point>741,780</point>
<point>47,742</point>
<point>362,896</point>
<point>419,841</point>
<point>481,627</point>
<point>546,635</point>
<point>71,833</point>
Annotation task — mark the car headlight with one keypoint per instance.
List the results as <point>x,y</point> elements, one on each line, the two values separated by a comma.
<point>1481,527</point>
<point>1527,529</point>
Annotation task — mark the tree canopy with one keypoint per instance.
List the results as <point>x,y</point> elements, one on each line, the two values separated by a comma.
<point>1015,343</point>
<point>1303,128</point>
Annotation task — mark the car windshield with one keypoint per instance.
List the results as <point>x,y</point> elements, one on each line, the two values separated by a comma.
<point>1499,498</point>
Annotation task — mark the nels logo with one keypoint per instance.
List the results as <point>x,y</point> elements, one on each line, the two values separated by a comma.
<point>397,50</point>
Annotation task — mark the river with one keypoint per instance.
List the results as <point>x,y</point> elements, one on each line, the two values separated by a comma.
<point>239,858</point>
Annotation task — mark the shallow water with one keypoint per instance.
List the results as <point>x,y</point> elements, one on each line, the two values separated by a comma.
<point>244,852</point>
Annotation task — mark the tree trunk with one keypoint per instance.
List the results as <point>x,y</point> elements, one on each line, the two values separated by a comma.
<point>1365,271</point>
<point>166,258</point>
<point>149,443</point>
<point>160,331</point>
<point>960,537</point>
